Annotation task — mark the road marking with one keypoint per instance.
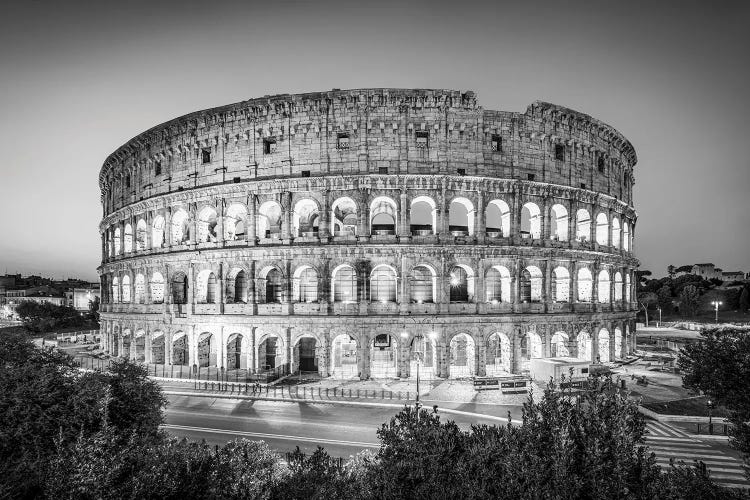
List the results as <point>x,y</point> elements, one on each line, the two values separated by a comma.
<point>264,435</point>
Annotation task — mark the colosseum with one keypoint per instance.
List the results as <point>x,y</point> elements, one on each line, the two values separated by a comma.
<point>341,232</point>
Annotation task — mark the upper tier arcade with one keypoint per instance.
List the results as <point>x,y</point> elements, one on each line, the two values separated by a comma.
<point>369,131</point>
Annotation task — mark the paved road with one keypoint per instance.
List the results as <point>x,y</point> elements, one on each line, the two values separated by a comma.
<point>668,442</point>
<point>342,430</point>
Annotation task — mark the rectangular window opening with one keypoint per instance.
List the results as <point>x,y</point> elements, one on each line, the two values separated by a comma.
<point>382,170</point>
<point>206,155</point>
<point>305,173</point>
<point>236,180</point>
<point>497,143</point>
<point>600,164</point>
<point>157,168</point>
<point>531,177</point>
<point>269,146</point>
<point>423,139</point>
<point>342,141</point>
<point>583,185</point>
<point>461,171</point>
<point>559,152</point>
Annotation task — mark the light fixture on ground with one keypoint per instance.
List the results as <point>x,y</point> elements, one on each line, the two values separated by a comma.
<point>716,304</point>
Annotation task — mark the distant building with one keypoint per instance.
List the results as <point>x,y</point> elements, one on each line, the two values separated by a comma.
<point>38,294</point>
<point>733,276</point>
<point>706,271</point>
<point>81,298</point>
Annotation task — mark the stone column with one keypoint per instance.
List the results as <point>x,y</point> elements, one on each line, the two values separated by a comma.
<point>516,288</point>
<point>252,217</point>
<point>364,216</point>
<point>404,229</point>
<point>595,342</point>
<point>286,215</point>
<point>480,226</point>
<point>572,221</point>
<point>324,231</point>
<point>609,227</point>
<point>547,297</point>
<point>147,346</point>
<point>546,216</point>
<point>168,227</point>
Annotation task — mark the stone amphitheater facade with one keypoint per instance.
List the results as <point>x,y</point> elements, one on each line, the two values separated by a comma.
<point>342,231</point>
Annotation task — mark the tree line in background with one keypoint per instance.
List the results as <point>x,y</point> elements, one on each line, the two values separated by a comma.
<point>71,434</point>
<point>689,294</point>
<point>40,317</point>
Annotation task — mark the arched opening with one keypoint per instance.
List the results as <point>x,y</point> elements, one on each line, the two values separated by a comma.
<point>615,232</point>
<point>559,345</point>
<point>305,284</point>
<point>141,235</point>
<point>602,228</point>
<point>180,351</point>
<point>270,353</point>
<point>179,288</point>
<point>625,236</point>
<point>497,219</point>
<point>158,348</point>
<point>584,346</point>
<point>602,286</point>
<point>461,284</point>
<point>497,282</point>
<point>423,216</point>
<point>561,284</point>
<point>583,225</point>
<point>344,217</point>
<point>498,355</point>
<point>117,240</point>
<point>383,216</point>
<point>180,227</point>
<point>235,222</point>
<point>157,232</point>
<point>461,356</point>
<point>531,221</point>
<point>127,340</point>
<point>128,238</point>
<point>139,289</point>
<point>422,353</point>
<point>305,218</point>
<point>116,342</point>
<point>304,354</point>
<point>618,287</point>
<point>157,288</point>
<point>116,290</point>
<point>344,357</point>
<point>207,222</point>
<point>206,349</point>
<point>531,347</point>
<point>236,286</point>
<point>126,289</point>
<point>140,346</point>
<point>618,343</point>
<point>585,282</point>
<point>383,356</point>
<point>235,349</point>
<point>269,220</point>
<point>559,222</point>
<point>603,353</point>
<point>531,284</point>
<point>274,286</point>
<point>383,284</point>
<point>423,284</point>
<point>461,217</point>
<point>206,287</point>
<point>344,284</point>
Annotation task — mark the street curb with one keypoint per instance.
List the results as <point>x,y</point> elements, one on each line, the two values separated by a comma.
<point>329,402</point>
<point>661,417</point>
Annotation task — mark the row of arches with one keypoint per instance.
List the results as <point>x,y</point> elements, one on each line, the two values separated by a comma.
<point>423,217</point>
<point>342,357</point>
<point>345,286</point>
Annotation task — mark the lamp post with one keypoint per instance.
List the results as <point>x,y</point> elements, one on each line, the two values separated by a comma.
<point>710,405</point>
<point>659,323</point>
<point>716,304</point>
<point>418,354</point>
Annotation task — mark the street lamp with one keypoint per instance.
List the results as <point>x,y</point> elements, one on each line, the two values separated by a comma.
<point>710,405</point>
<point>418,354</point>
<point>716,304</point>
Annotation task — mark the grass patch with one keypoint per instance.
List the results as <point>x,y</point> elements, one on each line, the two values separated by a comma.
<point>692,407</point>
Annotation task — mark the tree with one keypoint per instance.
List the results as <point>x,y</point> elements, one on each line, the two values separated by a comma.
<point>671,271</point>
<point>718,366</point>
<point>689,301</point>
<point>664,296</point>
<point>45,399</point>
<point>647,300</point>
<point>745,299</point>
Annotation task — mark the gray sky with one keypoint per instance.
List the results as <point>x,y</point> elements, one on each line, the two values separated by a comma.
<point>78,80</point>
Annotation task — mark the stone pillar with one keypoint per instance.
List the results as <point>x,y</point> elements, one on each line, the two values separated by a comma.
<point>572,221</point>
<point>546,216</point>
<point>404,230</point>
<point>592,228</point>
<point>364,216</point>
<point>250,227</point>
<point>547,297</point>
<point>220,223</point>
<point>609,227</point>
<point>572,292</point>
<point>480,357</point>
<point>286,215</point>
<point>516,286</point>
<point>168,227</point>
<point>480,229</point>
<point>324,231</point>
<point>253,361</point>
<point>147,347</point>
